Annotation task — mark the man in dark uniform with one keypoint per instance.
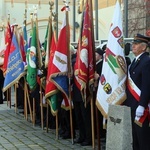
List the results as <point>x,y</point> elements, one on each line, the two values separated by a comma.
<point>138,93</point>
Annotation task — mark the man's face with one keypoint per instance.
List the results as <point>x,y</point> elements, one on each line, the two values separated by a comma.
<point>138,48</point>
<point>97,57</point>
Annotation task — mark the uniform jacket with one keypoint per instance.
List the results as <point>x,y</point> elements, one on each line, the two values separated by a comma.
<point>140,74</point>
<point>99,67</point>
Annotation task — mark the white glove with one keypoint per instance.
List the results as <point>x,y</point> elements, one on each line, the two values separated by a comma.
<point>39,72</point>
<point>140,111</point>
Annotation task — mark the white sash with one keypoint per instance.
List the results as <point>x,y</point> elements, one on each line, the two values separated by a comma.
<point>135,91</point>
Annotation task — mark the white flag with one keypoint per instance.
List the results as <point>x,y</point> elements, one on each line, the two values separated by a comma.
<point>111,88</point>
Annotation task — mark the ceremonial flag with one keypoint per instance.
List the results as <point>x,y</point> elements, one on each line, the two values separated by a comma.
<point>22,48</point>
<point>85,61</point>
<point>2,49</point>
<point>32,61</point>
<point>47,43</point>
<point>25,37</point>
<point>8,38</point>
<point>15,66</point>
<point>111,88</point>
<point>51,89</point>
<point>60,60</point>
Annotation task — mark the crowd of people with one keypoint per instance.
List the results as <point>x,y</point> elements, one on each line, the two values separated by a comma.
<point>137,90</point>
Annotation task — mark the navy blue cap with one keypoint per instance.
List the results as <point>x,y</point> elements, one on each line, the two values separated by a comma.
<point>141,38</point>
<point>99,51</point>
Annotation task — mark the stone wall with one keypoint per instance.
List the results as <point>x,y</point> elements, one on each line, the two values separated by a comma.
<point>136,17</point>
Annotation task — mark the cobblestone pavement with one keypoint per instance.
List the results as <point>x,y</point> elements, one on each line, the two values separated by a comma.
<point>16,133</point>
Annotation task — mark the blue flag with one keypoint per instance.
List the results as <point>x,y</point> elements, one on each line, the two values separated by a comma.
<point>15,66</point>
<point>25,39</point>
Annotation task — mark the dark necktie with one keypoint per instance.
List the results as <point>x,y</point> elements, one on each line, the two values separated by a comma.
<point>133,63</point>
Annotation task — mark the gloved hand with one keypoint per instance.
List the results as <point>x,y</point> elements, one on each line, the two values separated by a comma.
<point>139,111</point>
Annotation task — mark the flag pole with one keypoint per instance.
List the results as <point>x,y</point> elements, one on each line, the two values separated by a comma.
<point>16,84</point>
<point>51,3</point>
<point>66,2</point>
<point>54,32</point>
<point>25,97</point>
<point>8,92</point>
<point>37,39</point>
<point>92,98</point>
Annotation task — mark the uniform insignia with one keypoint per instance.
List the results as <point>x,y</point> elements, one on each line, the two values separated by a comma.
<point>116,32</point>
<point>120,41</point>
<point>102,79</point>
<point>107,88</point>
<point>60,60</point>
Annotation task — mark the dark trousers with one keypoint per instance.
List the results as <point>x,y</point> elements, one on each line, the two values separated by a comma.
<point>141,135</point>
<point>20,92</point>
<point>1,86</point>
<point>83,119</point>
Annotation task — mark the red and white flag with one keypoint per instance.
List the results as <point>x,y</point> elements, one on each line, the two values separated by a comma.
<point>84,66</point>
<point>111,88</point>
<point>59,65</point>
<point>8,38</point>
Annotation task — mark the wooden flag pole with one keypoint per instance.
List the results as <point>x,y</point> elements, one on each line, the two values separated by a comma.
<point>93,48</point>
<point>33,112</point>
<point>8,92</point>
<point>47,117</point>
<point>41,105</point>
<point>51,3</point>
<point>16,86</point>
<point>37,38</point>
<point>25,95</point>
<point>66,2</point>
<point>25,100</point>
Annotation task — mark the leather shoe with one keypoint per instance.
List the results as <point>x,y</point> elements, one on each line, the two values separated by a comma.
<point>21,112</point>
<point>86,143</point>
<point>13,105</point>
<point>5,99</point>
<point>78,141</point>
<point>61,132</point>
<point>20,107</point>
<point>66,136</point>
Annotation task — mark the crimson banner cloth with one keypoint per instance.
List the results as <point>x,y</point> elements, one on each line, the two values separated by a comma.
<point>84,66</point>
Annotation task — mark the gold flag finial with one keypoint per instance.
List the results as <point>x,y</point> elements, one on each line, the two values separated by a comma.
<point>26,4</point>
<point>66,2</point>
<point>35,11</point>
<point>39,4</point>
<point>51,4</point>
<point>12,3</point>
<point>25,16</point>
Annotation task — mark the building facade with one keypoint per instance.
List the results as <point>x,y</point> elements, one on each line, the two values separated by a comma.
<point>135,14</point>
